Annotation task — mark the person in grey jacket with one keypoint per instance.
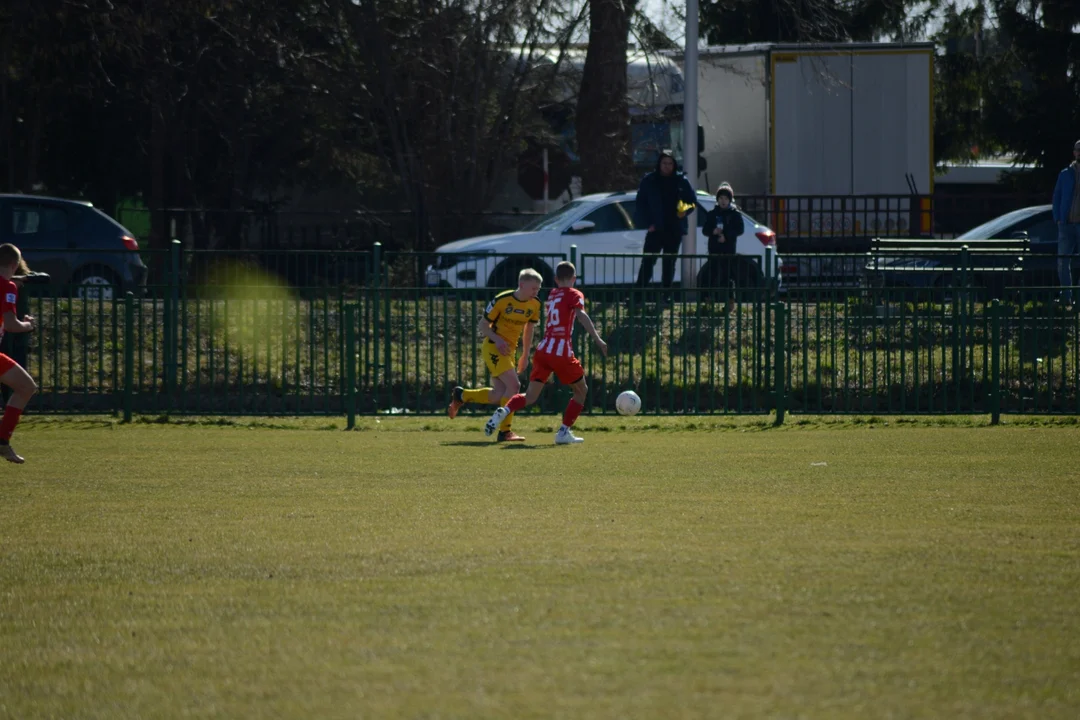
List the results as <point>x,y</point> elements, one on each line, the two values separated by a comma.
<point>657,210</point>
<point>1067,216</point>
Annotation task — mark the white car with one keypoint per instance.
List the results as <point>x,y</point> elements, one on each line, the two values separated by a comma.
<point>608,248</point>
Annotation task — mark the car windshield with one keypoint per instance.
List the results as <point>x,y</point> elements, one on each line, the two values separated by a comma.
<point>555,219</point>
<point>995,228</point>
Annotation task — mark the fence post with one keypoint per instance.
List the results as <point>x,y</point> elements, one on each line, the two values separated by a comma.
<point>376,260</point>
<point>995,362</point>
<point>350,366</point>
<point>573,257</point>
<point>768,270</point>
<point>129,354</point>
<point>779,372</point>
<point>166,324</point>
<point>172,325</point>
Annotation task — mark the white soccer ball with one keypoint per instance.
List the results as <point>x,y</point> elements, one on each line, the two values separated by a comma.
<point>628,403</point>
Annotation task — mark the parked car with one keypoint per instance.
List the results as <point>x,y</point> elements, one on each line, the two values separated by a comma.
<point>600,224</point>
<point>74,243</point>
<point>1037,267</point>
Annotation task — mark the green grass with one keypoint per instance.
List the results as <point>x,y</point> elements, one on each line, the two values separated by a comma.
<point>921,568</point>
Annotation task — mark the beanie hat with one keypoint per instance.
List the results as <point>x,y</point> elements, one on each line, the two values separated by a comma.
<point>725,189</point>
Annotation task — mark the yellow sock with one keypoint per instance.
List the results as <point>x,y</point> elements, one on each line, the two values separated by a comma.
<point>478,396</point>
<point>505,426</point>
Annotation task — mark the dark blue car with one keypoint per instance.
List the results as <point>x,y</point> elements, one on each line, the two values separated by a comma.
<point>1036,268</point>
<point>74,243</point>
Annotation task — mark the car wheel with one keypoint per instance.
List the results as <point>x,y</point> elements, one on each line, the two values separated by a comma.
<point>96,283</point>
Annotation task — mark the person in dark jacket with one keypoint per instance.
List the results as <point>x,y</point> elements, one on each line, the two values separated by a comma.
<point>723,226</point>
<point>1066,211</point>
<point>657,209</point>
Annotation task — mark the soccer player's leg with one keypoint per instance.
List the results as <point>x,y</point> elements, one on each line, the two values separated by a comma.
<point>571,373</point>
<point>23,388</point>
<point>506,384</point>
<point>512,384</point>
<point>496,364</point>
<point>537,381</point>
<point>457,401</point>
<point>477,396</point>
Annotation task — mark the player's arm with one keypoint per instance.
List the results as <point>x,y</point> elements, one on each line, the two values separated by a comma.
<point>526,347</point>
<point>586,322</point>
<point>487,329</point>
<point>15,325</point>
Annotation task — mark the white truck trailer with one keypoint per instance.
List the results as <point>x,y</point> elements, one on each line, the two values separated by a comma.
<point>852,119</point>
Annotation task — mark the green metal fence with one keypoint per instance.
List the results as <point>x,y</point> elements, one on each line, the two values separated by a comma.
<point>220,334</point>
<point>1037,355</point>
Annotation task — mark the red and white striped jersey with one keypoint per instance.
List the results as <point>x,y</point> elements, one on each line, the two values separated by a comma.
<point>560,310</point>
<point>8,296</point>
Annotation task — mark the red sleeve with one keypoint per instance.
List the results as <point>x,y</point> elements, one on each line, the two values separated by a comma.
<point>9,298</point>
<point>578,301</point>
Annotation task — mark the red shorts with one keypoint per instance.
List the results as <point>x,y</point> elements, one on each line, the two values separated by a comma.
<point>6,363</point>
<point>566,368</point>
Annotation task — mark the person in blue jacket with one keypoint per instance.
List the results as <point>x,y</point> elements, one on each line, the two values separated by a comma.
<point>1067,217</point>
<point>657,210</point>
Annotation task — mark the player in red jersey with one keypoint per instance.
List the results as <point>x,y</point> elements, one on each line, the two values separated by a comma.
<point>11,373</point>
<point>555,354</point>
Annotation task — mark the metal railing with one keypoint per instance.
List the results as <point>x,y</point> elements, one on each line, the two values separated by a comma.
<point>211,337</point>
<point>709,271</point>
<point>831,223</point>
<point>936,268</point>
<point>464,271</point>
<point>803,223</point>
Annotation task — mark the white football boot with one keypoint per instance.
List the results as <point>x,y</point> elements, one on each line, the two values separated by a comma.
<point>496,420</point>
<point>566,437</point>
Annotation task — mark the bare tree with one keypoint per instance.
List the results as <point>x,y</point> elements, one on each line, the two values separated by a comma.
<point>452,88</point>
<point>603,115</point>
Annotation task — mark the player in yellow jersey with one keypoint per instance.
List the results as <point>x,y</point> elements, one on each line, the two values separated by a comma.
<point>509,316</point>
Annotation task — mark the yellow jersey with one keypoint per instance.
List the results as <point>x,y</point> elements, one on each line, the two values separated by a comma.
<point>508,316</point>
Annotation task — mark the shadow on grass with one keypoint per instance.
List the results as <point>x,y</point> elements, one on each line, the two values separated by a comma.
<point>519,446</point>
<point>492,443</point>
<point>67,423</point>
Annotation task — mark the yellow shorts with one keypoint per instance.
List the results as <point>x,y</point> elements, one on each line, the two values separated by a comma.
<point>497,364</point>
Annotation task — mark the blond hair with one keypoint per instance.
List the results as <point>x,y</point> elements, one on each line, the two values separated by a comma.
<point>530,274</point>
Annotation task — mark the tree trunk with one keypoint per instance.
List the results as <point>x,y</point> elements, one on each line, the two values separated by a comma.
<point>603,115</point>
<point>159,231</point>
<point>7,113</point>
<point>36,122</point>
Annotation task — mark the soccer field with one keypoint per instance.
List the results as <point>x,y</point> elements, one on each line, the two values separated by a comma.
<point>415,569</point>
